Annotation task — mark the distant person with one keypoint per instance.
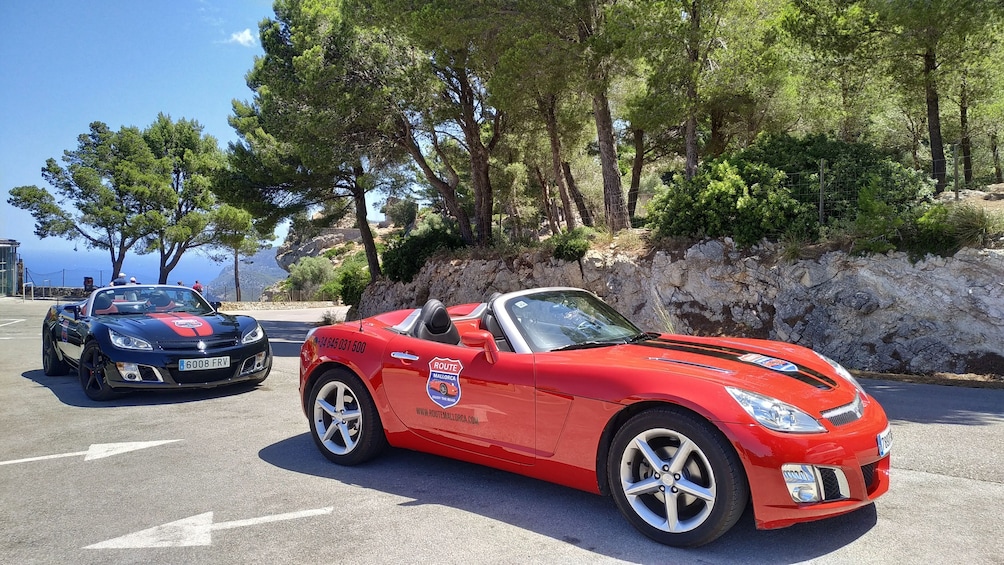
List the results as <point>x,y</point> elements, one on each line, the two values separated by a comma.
<point>120,280</point>
<point>179,283</point>
<point>132,280</point>
<point>197,287</point>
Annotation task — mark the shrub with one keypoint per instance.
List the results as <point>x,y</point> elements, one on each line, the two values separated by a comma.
<point>405,256</point>
<point>747,204</point>
<point>310,272</point>
<point>572,245</point>
<point>973,226</point>
<point>352,279</point>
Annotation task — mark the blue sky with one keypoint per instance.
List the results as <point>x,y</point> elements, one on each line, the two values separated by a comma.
<point>67,63</point>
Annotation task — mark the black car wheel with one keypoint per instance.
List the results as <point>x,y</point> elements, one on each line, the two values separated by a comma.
<point>52,365</point>
<point>344,420</point>
<point>92,373</point>
<point>676,478</point>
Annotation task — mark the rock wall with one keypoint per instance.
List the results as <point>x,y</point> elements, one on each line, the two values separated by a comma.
<point>878,313</point>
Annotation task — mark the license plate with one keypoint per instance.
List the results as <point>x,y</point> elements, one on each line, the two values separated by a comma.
<point>204,363</point>
<point>885,442</point>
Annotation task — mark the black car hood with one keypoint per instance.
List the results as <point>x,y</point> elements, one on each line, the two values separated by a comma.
<point>176,326</point>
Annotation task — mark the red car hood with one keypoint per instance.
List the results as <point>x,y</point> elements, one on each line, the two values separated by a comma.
<point>177,326</point>
<point>789,373</point>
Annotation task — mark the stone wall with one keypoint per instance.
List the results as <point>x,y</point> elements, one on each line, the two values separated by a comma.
<point>879,313</point>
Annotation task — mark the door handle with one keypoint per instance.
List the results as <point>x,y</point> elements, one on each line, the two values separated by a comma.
<point>404,356</point>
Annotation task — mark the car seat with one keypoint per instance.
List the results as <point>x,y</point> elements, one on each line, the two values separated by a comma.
<point>490,324</point>
<point>103,304</point>
<point>434,324</point>
<point>161,302</point>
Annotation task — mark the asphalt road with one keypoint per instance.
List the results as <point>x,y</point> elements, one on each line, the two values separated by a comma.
<point>232,476</point>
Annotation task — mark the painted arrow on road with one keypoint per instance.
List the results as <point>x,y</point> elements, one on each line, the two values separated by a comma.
<point>97,451</point>
<point>195,530</point>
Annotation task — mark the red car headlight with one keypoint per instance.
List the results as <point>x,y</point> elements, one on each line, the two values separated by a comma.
<point>773,414</point>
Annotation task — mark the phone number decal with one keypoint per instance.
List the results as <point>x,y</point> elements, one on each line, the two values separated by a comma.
<point>342,344</point>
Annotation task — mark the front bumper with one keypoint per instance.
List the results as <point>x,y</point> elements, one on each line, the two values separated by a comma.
<point>159,370</point>
<point>847,458</point>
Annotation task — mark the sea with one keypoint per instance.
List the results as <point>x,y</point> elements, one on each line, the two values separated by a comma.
<point>56,265</point>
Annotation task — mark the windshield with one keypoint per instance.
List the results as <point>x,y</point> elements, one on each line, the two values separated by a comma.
<point>143,299</point>
<point>568,319</point>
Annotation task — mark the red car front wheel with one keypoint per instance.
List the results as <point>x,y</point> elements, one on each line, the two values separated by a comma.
<point>675,478</point>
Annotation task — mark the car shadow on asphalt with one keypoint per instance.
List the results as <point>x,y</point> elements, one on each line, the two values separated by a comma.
<point>67,389</point>
<point>586,520</point>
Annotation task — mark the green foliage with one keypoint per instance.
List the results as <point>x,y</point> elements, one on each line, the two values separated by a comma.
<point>572,245</point>
<point>406,255</point>
<point>310,273</point>
<point>850,168</point>
<point>353,277</point>
<point>345,282</point>
<point>877,225</point>
<point>401,213</point>
<point>746,204</point>
<point>974,226</point>
<point>339,251</point>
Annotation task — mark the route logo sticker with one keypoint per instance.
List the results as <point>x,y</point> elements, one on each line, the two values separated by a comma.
<point>443,386</point>
<point>769,362</point>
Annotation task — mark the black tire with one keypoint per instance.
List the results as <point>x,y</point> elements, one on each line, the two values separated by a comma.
<point>52,365</point>
<point>344,421</point>
<point>92,374</point>
<point>706,488</point>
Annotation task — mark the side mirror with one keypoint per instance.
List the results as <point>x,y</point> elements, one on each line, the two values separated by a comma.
<point>484,340</point>
<point>72,309</point>
<point>216,304</point>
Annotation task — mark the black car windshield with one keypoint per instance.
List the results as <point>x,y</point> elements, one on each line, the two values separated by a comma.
<point>568,319</point>
<point>146,299</point>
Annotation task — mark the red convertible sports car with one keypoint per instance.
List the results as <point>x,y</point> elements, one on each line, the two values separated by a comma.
<point>553,383</point>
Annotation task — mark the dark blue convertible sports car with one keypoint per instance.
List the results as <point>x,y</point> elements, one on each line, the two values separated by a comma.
<point>152,337</point>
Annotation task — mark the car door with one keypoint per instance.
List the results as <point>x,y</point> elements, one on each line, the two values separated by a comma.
<point>453,395</point>
<point>70,334</point>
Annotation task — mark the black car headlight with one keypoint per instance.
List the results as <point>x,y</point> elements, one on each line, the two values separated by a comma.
<point>254,335</point>
<point>123,341</point>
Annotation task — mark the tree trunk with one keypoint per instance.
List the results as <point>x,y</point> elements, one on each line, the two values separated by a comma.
<point>369,243</point>
<point>237,275</point>
<point>580,201</point>
<point>613,196</point>
<point>483,199</point>
<point>548,107</point>
<point>938,164</point>
<point>636,166</point>
<point>545,202</point>
<point>718,142</point>
<point>966,142</point>
<point>448,191</point>
<point>693,58</point>
<point>995,150</point>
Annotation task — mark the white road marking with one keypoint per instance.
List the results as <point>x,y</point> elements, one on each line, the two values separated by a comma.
<point>9,321</point>
<point>194,530</point>
<point>97,451</point>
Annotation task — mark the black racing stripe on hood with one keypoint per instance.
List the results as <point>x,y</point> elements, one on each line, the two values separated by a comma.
<point>804,374</point>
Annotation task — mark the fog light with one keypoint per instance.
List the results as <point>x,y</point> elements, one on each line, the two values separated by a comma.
<point>129,371</point>
<point>802,481</point>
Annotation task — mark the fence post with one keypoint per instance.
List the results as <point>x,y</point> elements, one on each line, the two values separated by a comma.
<point>822,184</point>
